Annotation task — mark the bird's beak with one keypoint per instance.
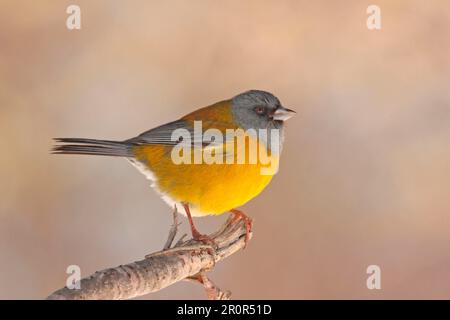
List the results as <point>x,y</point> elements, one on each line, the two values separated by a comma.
<point>282,114</point>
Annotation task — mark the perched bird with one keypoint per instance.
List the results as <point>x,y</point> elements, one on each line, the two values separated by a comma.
<point>201,187</point>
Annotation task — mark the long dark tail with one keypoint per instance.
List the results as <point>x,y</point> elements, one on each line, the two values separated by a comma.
<point>92,147</point>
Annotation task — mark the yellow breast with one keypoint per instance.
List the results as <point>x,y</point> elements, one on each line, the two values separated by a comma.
<point>208,188</point>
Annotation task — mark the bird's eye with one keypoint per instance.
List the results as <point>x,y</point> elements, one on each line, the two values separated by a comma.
<point>259,110</point>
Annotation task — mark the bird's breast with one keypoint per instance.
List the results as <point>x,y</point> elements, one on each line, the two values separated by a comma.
<point>209,188</point>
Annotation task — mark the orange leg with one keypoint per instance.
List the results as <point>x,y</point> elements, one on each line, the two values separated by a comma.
<point>238,215</point>
<point>195,233</point>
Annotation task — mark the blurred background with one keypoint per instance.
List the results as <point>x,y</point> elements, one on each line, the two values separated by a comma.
<point>365,174</point>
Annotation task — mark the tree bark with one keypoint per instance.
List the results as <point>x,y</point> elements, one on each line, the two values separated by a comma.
<point>187,260</point>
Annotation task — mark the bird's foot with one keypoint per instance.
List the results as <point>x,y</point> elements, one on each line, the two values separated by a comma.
<point>197,236</point>
<point>239,215</point>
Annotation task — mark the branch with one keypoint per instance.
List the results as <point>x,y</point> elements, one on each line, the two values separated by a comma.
<point>187,260</point>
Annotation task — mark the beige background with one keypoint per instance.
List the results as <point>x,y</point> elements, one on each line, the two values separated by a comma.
<point>365,174</point>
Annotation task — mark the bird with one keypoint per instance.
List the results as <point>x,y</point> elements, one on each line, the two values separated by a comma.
<point>200,187</point>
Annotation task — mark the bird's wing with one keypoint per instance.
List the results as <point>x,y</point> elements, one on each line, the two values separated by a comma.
<point>166,135</point>
<point>163,135</point>
<point>169,134</point>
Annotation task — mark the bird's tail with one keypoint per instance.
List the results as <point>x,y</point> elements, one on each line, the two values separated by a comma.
<point>92,147</point>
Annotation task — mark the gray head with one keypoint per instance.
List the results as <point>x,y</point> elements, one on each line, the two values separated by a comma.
<point>257,109</point>
<point>261,111</point>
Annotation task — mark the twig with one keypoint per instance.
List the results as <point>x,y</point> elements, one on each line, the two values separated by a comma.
<point>213,292</point>
<point>186,260</point>
<point>173,229</point>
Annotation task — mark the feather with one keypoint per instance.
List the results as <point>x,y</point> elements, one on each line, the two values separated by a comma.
<point>92,147</point>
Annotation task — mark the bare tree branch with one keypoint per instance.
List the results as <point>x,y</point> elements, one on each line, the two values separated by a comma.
<point>187,260</point>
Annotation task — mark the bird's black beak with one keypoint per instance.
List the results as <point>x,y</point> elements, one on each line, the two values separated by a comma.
<point>282,114</point>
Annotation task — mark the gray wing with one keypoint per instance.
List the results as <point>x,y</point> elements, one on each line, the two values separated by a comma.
<point>164,135</point>
<point>167,135</point>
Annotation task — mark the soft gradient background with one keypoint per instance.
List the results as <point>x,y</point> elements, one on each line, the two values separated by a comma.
<point>365,174</point>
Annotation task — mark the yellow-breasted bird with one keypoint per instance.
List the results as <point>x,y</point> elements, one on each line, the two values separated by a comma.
<point>204,188</point>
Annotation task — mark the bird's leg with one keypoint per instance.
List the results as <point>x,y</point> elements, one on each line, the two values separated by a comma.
<point>195,233</point>
<point>239,215</point>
